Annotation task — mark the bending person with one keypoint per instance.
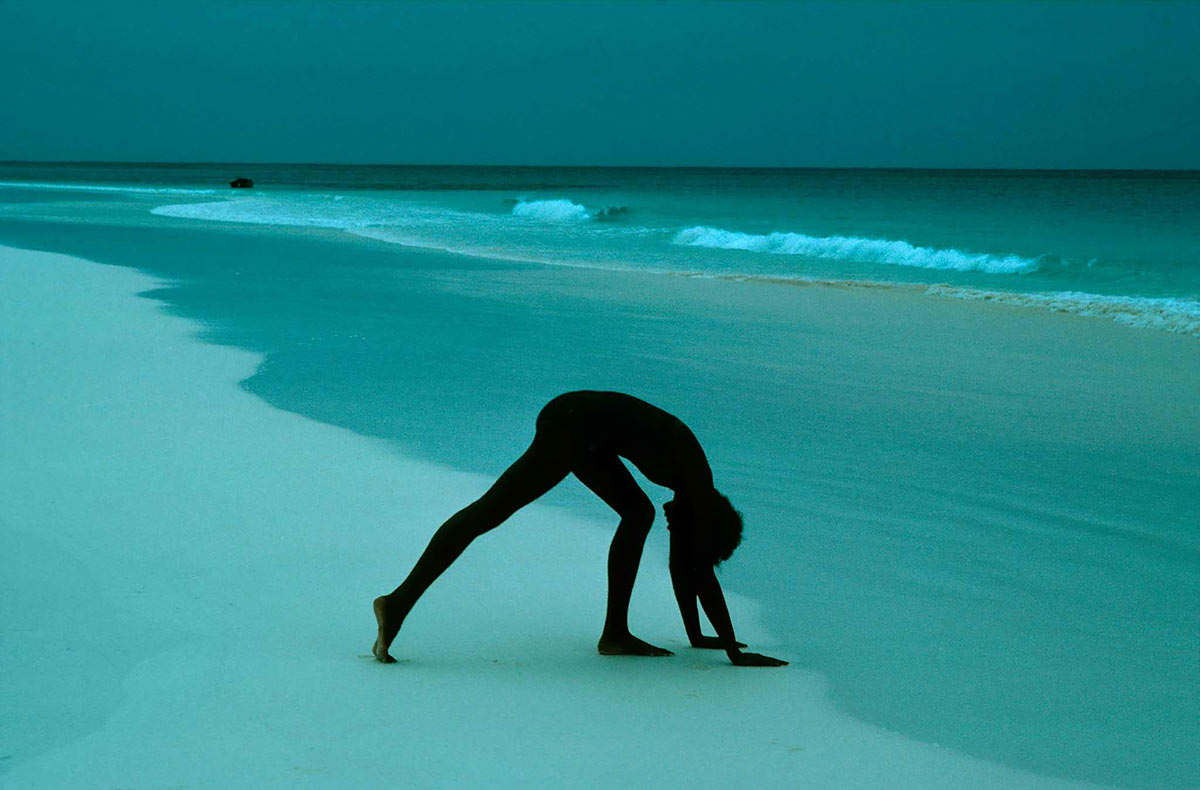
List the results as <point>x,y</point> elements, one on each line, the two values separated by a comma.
<point>587,433</point>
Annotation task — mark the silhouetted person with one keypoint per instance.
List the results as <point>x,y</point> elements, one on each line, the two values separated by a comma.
<point>587,433</point>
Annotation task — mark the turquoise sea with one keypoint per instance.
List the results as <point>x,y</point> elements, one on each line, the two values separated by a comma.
<point>1001,559</point>
<point>1115,243</point>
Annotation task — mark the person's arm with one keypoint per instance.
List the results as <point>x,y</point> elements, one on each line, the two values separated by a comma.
<point>685,596</point>
<point>708,590</point>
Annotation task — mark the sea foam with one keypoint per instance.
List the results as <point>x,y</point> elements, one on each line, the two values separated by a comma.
<point>266,211</point>
<point>308,211</point>
<point>551,210</point>
<point>1168,314</point>
<point>853,248</point>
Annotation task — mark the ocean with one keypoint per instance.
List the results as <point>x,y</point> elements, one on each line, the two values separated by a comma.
<point>1121,244</point>
<point>980,540</point>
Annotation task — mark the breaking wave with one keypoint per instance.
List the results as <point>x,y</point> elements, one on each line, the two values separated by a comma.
<point>853,248</point>
<point>550,210</point>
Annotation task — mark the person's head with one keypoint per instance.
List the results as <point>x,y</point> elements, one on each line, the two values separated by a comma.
<point>713,525</point>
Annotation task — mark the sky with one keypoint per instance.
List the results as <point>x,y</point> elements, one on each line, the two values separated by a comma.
<point>1068,84</point>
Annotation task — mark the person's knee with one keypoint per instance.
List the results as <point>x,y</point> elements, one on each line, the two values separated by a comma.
<point>638,515</point>
<point>468,524</point>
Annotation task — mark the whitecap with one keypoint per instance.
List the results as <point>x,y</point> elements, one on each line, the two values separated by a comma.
<point>550,210</point>
<point>854,248</point>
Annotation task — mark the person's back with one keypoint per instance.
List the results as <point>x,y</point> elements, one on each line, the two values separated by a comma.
<point>657,442</point>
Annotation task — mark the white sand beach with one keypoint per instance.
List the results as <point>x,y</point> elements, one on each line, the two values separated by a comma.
<point>186,580</point>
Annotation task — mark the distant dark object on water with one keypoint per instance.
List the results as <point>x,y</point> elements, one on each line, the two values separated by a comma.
<point>241,183</point>
<point>611,212</point>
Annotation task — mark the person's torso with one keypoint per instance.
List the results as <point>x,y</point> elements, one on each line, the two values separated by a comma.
<point>659,444</point>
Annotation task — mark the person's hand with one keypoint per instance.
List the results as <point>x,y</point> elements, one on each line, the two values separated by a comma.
<point>755,660</point>
<point>712,643</point>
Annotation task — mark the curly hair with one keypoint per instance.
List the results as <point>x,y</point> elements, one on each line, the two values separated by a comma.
<point>714,523</point>
<point>725,527</point>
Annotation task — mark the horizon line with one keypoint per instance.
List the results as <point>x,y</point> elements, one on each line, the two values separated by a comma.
<point>231,163</point>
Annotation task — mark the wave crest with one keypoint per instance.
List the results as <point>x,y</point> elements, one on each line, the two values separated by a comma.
<point>550,210</point>
<point>853,248</point>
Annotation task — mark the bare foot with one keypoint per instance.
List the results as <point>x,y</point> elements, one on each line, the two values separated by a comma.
<point>628,645</point>
<point>388,629</point>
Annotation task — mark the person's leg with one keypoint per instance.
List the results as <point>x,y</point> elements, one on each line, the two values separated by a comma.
<point>613,483</point>
<point>539,469</point>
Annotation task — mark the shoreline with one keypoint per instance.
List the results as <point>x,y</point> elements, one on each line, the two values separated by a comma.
<point>1171,314</point>
<point>203,540</point>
